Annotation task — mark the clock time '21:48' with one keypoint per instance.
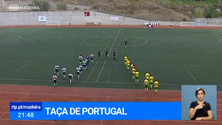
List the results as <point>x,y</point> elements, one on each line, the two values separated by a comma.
<point>25,114</point>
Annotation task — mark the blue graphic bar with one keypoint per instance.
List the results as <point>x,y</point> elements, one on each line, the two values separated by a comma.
<point>25,106</point>
<point>102,111</point>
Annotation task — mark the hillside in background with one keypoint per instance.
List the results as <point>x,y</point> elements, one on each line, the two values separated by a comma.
<point>156,9</point>
<point>144,9</point>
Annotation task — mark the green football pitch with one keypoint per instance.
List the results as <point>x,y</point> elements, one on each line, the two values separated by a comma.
<point>174,57</point>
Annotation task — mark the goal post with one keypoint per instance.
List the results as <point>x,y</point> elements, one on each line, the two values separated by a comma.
<point>188,24</point>
<point>54,23</point>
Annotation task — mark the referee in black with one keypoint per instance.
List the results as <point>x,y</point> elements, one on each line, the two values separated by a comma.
<point>106,54</point>
<point>99,54</point>
<point>125,43</point>
<point>114,55</point>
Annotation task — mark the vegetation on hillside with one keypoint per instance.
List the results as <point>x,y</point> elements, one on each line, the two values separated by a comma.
<point>156,9</point>
<point>61,6</point>
<point>147,9</point>
<point>199,8</point>
<point>43,5</point>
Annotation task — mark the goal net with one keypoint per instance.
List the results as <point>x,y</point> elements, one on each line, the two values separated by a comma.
<point>188,24</point>
<point>48,23</point>
<point>3,25</point>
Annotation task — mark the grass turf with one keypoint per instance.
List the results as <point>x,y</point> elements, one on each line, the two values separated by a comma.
<point>173,56</point>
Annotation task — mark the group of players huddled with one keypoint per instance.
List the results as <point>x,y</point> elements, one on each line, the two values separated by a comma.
<point>130,66</point>
<point>83,63</point>
<point>149,83</point>
<point>149,80</point>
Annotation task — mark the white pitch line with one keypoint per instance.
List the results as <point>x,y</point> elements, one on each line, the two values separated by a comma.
<point>180,121</point>
<point>202,66</point>
<point>18,101</point>
<point>108,54</point>
<point>186,121</point>
<point>100,96</point>
<point>219,101</point>
<point>10,30</point>
<point>45,122</point>
<point>106,101</point>
<point>65,81</point>
<point>16,31</point>
<point>101,122</point>
<point>23,97</point>
<point>216,35</point>
<point>119,89</point>
<point>191,74</point>
<point>199,30</point>
<point>13,61</point>
<point>18,69</point>
<point>17,36</point>
<point>143,38</point>
<point>29,32</point>
<point>84,40</point>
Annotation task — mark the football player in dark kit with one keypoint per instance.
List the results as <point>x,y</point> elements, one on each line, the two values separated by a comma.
<point>114,55</point>
<point>99,54</point>
<point>125,43</point>
<point>106,54</point>
<point>200,109</point>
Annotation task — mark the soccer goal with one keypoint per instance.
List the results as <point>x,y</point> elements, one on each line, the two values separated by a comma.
<point>3,25</point>
<point>48,23</point>
<point>188,24</point>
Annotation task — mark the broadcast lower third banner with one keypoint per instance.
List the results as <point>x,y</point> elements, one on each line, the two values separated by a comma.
<point>95,110</point>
